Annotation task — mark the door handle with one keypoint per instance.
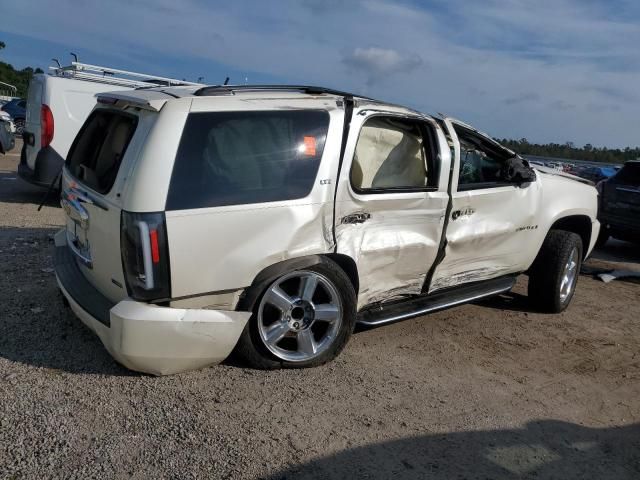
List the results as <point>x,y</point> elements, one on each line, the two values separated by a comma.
<point>353,218</point>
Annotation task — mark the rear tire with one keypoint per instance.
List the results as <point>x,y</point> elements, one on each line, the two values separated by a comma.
<point>554,273</point>
<point>19,123</point>
<point>336,293</point>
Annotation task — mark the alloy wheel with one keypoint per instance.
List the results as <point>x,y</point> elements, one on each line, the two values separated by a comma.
<point>299,316</point>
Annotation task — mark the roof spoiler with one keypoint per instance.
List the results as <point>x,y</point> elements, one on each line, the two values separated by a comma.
<point>122,100</point>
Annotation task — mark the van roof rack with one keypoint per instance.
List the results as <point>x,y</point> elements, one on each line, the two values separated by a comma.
<point>114,76</point>
<point>213,90</point>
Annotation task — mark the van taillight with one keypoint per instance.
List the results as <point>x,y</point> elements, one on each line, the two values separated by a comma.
<point>46,126</point>
<point>145,255</point>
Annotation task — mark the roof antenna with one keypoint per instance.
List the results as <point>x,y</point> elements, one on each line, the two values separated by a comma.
<point>74,56</point>
<point>57,61</point>
<point>226,81</point>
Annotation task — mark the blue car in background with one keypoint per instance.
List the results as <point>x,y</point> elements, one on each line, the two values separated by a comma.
<point>17,108</point>
<point>597,174</point>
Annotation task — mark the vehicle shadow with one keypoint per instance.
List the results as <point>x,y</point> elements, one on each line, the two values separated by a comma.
<point>618,251</point>
<point>15,190</point>
<point>36,328</point>
<point>511,301</point>
<point>542,449</point>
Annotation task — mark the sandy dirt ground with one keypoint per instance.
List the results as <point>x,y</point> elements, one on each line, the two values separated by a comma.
<point>490,390</point>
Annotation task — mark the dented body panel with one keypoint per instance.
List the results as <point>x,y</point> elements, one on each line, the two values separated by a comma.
<point>498,230</point>
<point>397,244</point>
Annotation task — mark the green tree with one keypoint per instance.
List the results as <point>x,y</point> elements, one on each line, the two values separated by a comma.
<point>19,78</point>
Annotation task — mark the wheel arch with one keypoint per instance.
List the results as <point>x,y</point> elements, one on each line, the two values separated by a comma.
<point>578,224</point>
<point>269,274</point>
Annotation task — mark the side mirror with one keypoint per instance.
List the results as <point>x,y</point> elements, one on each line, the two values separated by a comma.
<point>517,170</point>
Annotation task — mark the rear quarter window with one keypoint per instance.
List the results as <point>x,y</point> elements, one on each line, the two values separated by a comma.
<point>96,153</point>
<point>235,158</point>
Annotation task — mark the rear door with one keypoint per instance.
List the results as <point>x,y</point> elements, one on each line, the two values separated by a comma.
<point>32,128</point>
<point>391,202</point>
<point>490,218</point>
<point>92,198</point>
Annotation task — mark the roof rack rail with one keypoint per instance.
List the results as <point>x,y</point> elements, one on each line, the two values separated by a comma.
<point>308,89</point>
<point>114,76</point>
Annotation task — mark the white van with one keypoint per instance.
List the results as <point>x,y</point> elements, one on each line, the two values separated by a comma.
<point>58,103</point>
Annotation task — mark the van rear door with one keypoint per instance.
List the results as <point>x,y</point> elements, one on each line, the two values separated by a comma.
<point>32,128</point>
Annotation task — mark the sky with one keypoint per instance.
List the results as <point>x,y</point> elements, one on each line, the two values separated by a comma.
<point>545,70</point>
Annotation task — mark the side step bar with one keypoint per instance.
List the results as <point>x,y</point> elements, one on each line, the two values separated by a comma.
<point>450,297</point>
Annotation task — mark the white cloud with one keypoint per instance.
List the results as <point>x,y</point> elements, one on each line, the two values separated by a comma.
<point>378,63</point>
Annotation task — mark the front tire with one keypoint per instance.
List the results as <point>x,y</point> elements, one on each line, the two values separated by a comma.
<point>303,318</point>
<point>554,273</point>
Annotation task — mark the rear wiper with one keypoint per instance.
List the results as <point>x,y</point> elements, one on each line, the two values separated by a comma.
<point>46,195</point>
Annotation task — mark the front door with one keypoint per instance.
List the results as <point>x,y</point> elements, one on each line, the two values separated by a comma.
<point>391,202</point>
<point>490,219</point>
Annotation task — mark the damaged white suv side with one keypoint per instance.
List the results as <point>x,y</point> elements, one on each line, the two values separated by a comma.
<point>271,220</point>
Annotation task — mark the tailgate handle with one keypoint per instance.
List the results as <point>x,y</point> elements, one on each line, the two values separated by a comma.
<point>73,194</point>
<point>73,207</point>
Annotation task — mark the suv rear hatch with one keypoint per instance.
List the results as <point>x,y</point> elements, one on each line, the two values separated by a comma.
<point>106,144</point>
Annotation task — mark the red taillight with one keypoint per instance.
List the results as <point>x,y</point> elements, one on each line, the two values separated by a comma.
<point>145,255</point>
<point>155,250</point>
<point>46,126</point>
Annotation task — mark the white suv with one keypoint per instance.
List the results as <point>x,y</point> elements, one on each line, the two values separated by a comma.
<point>272,219</point>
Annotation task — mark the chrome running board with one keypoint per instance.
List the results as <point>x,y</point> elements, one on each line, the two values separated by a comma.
<point>416,307</point>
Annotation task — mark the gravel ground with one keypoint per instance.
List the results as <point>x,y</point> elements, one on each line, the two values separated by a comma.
<point>491,390</point>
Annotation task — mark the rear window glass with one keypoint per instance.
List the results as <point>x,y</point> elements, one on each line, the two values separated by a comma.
<point>629,175</point>
<point>234,158</point>
<point>97,151</point>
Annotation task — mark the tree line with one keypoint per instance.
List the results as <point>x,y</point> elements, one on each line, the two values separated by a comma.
<point>570,151</point>
<point>18,78</point>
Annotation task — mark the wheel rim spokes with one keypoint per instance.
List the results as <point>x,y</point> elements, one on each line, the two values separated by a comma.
<point>307,343</point>
<point>327,312</point>
<point>308,285</point>
<point>291,325</point>
<point>276,332</point>
<point>279,299</point>
<point>569,276</point>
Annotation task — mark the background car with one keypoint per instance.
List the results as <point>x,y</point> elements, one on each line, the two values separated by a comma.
<point>619,211</point>
<point>17,108</point>
<point>7,140</point>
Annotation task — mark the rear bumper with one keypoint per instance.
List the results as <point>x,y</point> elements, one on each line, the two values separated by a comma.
<point>145,337</point>
<point>48,165</point>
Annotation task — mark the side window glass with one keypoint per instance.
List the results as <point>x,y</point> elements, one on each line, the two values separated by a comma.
<point>390,154</point>
<point>477,166</point>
